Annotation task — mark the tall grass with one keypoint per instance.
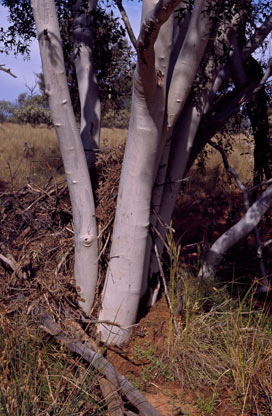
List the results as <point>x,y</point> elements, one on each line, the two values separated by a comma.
<point>18,166</point>
<point>42,160</point>
<point>224,341</point>
<point>239,150</point>
<point>39,377</point>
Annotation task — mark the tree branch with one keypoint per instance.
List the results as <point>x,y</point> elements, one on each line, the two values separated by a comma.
<point>224,109</point>
<point>7,70</point>
<point>245,193</point>
<point>259,36</point>
<point>150,30</point>
<point>240,230</point>
<point>237,72</point>
<point>102,365</point>
<point>127,23</point>
<point>261,33</point>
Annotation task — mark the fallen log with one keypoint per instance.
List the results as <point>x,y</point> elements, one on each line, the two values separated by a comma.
<point>85,350</point>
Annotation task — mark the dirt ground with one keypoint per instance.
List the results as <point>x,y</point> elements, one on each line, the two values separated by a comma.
<point>36,235</point>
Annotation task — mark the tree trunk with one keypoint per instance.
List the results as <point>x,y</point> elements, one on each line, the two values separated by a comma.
<point>203,135</point>
<point>71,148</point>
<point>257,111</point>
<point>86,79</point>
<point>131,226</point>
<point>240,230</point>
<point>181,137</point>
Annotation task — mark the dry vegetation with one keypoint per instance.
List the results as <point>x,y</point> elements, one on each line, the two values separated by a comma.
<point>219,363</point>
<point>32,154</point>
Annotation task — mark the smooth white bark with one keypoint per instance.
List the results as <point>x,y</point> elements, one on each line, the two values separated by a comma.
<point>124,276</point>
<point>186,127</point>
<point>240,230</point>
<point>71,148</point>
<point>190,56</point>
<point>86,78</point>
<point>183,120</point>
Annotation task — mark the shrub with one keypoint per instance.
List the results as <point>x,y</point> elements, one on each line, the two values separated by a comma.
<point>6,110</point>
<point>118,119</point>
<point>33,114</point>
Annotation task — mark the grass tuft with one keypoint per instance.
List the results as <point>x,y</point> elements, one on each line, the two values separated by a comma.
<point>39,377</point>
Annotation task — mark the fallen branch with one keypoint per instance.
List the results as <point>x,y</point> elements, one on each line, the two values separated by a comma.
<point>11,262</point>
<point>113,400</point>
<point>100,364</point>
<point>245,193</point>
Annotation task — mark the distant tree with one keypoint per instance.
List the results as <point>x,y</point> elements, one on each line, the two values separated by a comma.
<point>6,110</point>
<point>32,110</point>
<point>85,26</point>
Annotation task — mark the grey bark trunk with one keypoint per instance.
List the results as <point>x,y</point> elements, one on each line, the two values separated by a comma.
<point>71,148</point>
<point>131,225</point>
<point>181,131</point>
<point>86,78</point>
<point>240,230</point>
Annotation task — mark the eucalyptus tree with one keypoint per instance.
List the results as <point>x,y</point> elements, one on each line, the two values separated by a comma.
<point>183,92</point>
<point>102,71</point>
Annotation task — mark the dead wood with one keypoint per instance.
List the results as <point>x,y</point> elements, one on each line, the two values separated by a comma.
<point>102,365</point>
<point>113,400</point>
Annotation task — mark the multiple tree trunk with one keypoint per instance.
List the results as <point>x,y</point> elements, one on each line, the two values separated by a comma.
<point>175,109</point>
<point>76,170</point>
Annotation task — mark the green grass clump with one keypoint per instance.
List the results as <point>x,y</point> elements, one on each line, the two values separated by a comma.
<point>39,377</point>
<point>224,341</point>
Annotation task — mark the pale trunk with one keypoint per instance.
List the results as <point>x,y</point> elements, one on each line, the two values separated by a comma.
<point>131,227</point>
<point>71,148</point>
<point>240,230</point>
<point>185,131</point>
<point>87,82</point>
<point>182,125</point>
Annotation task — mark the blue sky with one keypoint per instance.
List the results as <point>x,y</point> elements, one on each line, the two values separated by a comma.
<point>25,70</point>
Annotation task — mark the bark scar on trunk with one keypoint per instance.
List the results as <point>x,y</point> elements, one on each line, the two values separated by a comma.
<point>160,78</point>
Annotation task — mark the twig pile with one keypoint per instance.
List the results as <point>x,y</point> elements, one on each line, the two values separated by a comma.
<point>36,240</point>
<point>109,163</point>
<point>36,269</point>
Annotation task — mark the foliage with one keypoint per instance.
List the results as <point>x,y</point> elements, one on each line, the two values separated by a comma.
<point>6,110</point>
<point>113,62</point>
<point>118,118</point>
<point>113,56</point>
<point>17,38</point>
<point>33,111</point>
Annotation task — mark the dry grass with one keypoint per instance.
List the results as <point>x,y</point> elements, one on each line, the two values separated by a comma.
<point>239,150</point>
<point>17,165</point>
<point>222,344</point>
<point>39,377</point>
<point>112,137</point>
<point>227,347</point>
<point>42,160</point>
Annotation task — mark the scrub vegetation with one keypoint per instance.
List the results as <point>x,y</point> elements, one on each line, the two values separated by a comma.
<point>218,363</point>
